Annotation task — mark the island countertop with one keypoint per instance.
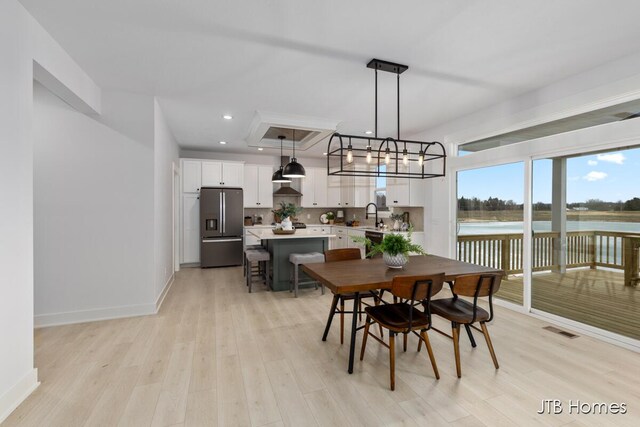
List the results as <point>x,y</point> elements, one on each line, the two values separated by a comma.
<point>267,234</point>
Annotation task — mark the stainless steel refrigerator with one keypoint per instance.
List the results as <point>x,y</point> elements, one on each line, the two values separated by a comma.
<point>221,226</point>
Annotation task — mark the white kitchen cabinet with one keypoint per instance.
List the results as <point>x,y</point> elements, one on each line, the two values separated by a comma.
<point>191,176</point>
<point>398,192</point>
<point>314,188</point>
<point>334,196</point>
<point>190,228</point>
<point>405,191</point>
<point>258,189</point>
<point>222,174</point>
<point>342,238</point>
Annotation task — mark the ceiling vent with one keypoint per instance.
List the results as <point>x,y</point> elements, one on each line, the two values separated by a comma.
<point>266,127</point>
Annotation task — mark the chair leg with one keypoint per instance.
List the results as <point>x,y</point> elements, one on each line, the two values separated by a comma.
<point>377,302</point>
<point>419,345</point>
<point>427,343</point>
<point>364,338</point>
<point>332,313</point>
<point>392,359</point>
<point>485,331</point>
<point>342,321</point>
<point>359,309</point>
<point>404,342</point>
<point>295,280</point>
<point>473,341</point>
<point>455,329</point>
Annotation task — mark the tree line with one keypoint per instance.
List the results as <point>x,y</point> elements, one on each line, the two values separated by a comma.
<point>496,204</point>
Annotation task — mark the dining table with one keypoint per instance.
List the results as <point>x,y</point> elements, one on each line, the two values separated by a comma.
<point>364,275</point>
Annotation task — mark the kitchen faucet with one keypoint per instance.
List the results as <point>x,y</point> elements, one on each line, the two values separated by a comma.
<point>366,212</point>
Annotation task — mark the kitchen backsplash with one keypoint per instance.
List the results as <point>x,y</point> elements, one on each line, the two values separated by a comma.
<point>312,215</point>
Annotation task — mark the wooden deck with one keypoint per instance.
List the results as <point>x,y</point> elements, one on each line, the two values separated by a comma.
<point>594,297</point>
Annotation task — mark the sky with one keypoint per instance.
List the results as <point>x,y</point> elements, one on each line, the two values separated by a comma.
<point>608,176</point>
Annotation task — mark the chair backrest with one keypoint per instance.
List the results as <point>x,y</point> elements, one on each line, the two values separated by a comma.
<point>417,288</point>
<point>476,286</point>
<point>343,254</point>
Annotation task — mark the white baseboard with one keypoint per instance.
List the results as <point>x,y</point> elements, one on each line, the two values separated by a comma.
<point>54,319</point>
<point>16,394</point>
<point>164,292</point>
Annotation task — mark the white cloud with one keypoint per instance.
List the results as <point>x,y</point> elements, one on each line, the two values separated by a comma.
<point>592,162</point>
<point>617,158</point>
<point>595,176</point>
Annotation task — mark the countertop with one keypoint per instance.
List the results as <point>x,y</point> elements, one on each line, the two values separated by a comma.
<point>267,234</point>
<point>361,228</point>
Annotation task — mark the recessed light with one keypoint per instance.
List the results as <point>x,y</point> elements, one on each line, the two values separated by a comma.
<point>324,154</point>
<point>260,149</point>
<point>227,117</point>
<point>223,142</point>
<point>368,132</point>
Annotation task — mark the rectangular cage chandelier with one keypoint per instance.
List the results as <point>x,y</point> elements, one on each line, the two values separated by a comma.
<point>355,155</point>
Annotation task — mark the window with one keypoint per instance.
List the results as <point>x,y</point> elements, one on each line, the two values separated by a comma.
<point>381,189</point>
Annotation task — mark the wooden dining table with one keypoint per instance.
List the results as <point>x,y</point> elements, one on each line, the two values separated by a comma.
<point>363,275</point>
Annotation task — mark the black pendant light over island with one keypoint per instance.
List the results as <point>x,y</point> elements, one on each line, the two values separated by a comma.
<point>277,175</point>
<point>293,168</point>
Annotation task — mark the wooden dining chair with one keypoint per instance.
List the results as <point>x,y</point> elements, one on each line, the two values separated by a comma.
<point>345,254</point>
<point>462,312</point>
<point>404,317</point>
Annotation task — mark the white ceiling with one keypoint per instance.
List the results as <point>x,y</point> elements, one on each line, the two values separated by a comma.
<point>206,58</point>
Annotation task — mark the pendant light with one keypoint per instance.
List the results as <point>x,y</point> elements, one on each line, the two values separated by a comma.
<point>293,168</point>
<point>277,175</point>
<point>384,157</point>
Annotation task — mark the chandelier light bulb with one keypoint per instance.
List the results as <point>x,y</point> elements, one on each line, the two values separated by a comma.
<point>368,154</point>
<point>349,154</point>
<point>405,157</point>
<point>387,155</point>
<point>421,158</point>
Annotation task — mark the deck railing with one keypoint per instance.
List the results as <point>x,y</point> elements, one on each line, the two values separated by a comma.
<point>583,249</point>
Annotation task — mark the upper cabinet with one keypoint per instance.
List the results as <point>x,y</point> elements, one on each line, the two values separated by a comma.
<point>314,188</point>
<point>258,189</point>
<point>405,191</point>
<point>349,191</point>
<point>191,176</point>
<point>222,174</point>
<point>210,173</point>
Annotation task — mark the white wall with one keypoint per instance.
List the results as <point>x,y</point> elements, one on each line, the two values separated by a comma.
<point>609,84</point>
<point>94,214</point>
<point>17,375</point>
<point>166,155</point>
<point>23,41</point>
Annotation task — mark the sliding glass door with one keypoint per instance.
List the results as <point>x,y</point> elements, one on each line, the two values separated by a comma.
<point>586,235</point>
<point>490,223</point>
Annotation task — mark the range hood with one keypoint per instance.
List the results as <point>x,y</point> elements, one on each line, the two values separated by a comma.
<point>285,189</point>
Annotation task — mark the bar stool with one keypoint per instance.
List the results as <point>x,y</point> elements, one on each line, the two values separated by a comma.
<point>260,256</point>
<point>244,256</point>
<point>296,260</point>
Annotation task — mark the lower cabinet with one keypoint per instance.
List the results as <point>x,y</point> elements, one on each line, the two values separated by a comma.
<point>190,228</point>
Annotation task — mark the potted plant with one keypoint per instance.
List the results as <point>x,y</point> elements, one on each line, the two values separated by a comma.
<point>395,248</point>
<point>330,217</point>
<point>286,210</point>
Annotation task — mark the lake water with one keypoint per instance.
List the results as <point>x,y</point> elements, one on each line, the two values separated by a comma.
<point>506,227</point>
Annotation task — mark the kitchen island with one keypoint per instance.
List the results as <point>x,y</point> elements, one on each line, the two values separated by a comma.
<point>280,246</point>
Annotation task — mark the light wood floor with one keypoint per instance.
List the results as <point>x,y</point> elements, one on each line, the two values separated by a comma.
<point>216,355</point>
<point>595,297</point>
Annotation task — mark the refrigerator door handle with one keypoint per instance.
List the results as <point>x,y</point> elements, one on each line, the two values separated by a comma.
<point>224,212</point>
<point>220,240</point>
